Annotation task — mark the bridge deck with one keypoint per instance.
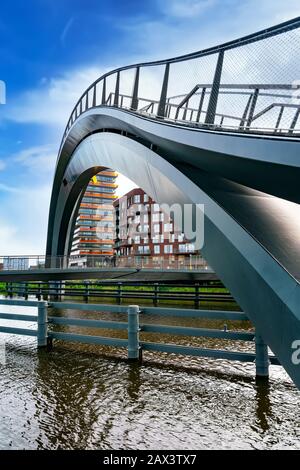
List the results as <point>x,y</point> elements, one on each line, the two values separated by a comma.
<point>104,273</point>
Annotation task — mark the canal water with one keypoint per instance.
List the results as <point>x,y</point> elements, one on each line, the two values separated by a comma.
<point>88,397</point>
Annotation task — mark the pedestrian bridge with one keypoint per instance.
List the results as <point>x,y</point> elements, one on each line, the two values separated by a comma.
<point>140,268</point>
<point>218,127</point>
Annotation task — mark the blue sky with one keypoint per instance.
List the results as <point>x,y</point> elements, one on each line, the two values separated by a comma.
<point>51,50</point>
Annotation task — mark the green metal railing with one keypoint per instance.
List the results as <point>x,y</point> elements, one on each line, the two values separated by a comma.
<point>135,347</point>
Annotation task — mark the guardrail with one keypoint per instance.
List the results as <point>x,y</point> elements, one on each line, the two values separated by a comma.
<point>196,292</point>
<point>163,263</point>
<point>133,327</point>
<point>248,85</point>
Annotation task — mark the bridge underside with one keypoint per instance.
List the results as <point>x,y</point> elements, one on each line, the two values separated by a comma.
<point>250,237</point>
<point>122,274</point>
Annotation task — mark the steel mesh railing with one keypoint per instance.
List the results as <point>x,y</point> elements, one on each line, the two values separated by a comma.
<point>80,262</point>
<point>248,85</point>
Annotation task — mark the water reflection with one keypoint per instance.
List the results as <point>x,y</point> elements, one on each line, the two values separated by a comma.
<point>80,397</point>
<point>263,403</point>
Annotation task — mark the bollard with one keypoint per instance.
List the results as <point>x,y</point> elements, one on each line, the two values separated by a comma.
<point>262,359</point>
<point>86,291</point>
<point>197,300</point>
<point>42,331</point>
<point>119,293</point>
<point>133,333</point>
<point>156,294</point>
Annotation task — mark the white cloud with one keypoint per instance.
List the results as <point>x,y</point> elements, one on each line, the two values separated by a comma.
<point>38,159</point>
<point>66,30</point>
<point>186,8</point>
<point>52,101</point>
<point>24,218</point>
<point>2,165</point>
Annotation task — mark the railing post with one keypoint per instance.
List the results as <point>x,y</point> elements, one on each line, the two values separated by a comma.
<point>279,118</point>
<point>94,96</point>
<point>26,291</point>
<point>244,117</point>
<point>117,90</point>
<point>10,292</point>
<point>86,291</point>
<point>42,331</point>
<point>252,107</point>
<point>214,94</point>
<point>200,104</point>
<point>133,333</point>
<point>161,112</point>
<point>197,300</point>
<point>119,293</point>
<point>262,359</point>
<point>156,292</point>
<point>135,92</point>
<point>294,122</point>
<point>103,101</point>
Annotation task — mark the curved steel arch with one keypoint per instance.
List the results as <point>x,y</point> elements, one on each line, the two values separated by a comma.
<point>243,264</point>
<point>247,180</point>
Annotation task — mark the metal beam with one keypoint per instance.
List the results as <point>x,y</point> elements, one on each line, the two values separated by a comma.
<point>161,112</point>
<point>103,100</point>
<point>186,99</point>
<point>214,94</point>
<point>252,107</point>
<point>117,90</point>
<point>202,96</point>
<point>135,92</point>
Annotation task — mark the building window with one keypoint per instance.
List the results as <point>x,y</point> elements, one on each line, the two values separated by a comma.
<point>136,199</point>
<point>155,217</point>
<point>162,238</point>
<point>155,239</point>
<point>181,237</point>
<point>182,248</point>
<point>156,207</point>
<point>137,239</point>
<point>146,218</point>
<point>162,216</point>
<point>168,227</point>
<point>146,198</point>
<point>156,249</point>
<point>168,249</point>
<point>156,228</point>
<point>145,228</point>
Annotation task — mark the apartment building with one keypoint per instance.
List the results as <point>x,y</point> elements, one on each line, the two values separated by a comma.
<point>142,229</point>
<point>94,231</point>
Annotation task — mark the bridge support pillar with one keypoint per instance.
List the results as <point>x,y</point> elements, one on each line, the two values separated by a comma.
<point>42,332</point>
<point>262,359</point>
<point>133,334</point>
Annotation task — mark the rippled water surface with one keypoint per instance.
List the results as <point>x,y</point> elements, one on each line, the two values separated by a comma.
<point>87,397</point>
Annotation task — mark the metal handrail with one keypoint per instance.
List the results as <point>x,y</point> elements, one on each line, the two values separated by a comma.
<point>219,49</point>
